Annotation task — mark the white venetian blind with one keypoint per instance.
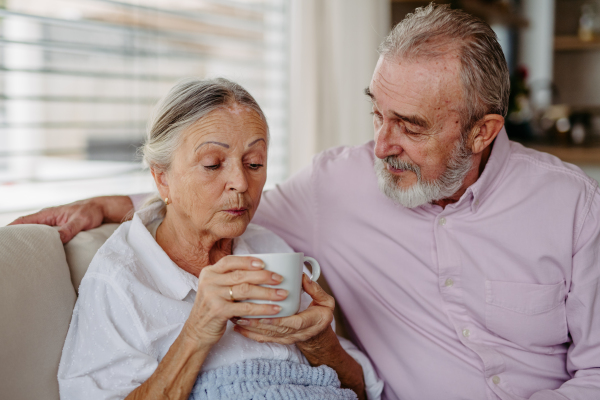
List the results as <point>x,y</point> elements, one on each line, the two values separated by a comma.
<point>79,77</point>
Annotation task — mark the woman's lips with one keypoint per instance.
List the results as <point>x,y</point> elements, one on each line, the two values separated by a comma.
<point>236,211</point>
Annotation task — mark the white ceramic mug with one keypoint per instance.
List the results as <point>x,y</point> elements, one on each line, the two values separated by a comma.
<point>290,266</point>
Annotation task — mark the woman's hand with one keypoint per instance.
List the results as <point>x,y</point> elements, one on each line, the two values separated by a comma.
<point>214,305</point>
<point>305,329</point>
<point>311,332</point>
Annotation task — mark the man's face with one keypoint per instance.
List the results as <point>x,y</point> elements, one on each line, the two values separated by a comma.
<point>421,154</point>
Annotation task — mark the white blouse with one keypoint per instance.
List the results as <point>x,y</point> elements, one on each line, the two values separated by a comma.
<point>133,302</point>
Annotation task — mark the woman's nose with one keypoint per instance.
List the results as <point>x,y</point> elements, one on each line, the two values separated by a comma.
<point>237,180</point>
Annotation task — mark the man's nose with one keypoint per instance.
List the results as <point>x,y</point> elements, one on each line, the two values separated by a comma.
<point>385,143</point>
<point>237,179</point>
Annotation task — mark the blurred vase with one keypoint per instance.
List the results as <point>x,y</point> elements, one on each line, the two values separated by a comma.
<point>578,133</point>
<point>589,22</point>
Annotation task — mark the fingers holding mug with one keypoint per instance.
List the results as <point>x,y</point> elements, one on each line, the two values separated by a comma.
<point>290,266</point>
<point>247,291</point>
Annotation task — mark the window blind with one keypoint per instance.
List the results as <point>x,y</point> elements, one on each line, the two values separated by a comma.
<point>78,78</point>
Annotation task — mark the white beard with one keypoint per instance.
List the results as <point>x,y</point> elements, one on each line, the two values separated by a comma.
<point>420,193</point>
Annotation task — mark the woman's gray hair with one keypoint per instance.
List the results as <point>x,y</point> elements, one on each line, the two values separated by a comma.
<point>190,100</point>
<point>433,31</point>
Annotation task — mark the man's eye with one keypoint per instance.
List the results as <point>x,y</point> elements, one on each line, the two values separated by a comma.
<point>255,167</point>
<point>376,114</point>
<point>408,131</point>
<point>212,167</point>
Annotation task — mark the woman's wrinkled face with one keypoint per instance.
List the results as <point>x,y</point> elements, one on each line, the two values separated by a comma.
<point>218,172</point>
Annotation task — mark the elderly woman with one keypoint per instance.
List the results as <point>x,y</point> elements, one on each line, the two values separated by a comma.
<point>156,309</point>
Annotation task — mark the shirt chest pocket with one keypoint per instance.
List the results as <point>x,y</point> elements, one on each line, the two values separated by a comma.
<point>527,314</point>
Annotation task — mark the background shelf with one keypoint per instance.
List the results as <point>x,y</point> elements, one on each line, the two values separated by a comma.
<point>567,43</point>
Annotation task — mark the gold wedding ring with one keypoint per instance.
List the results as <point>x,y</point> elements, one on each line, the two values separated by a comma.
<point>231,293</point>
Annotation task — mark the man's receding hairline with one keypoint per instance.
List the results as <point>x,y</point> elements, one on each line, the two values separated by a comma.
<point>433,49</point>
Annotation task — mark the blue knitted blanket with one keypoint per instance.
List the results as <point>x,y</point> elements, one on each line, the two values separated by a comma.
<point>270,380</point>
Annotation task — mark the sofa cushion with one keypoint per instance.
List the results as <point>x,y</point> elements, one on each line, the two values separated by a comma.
<point>36,303</point>
<point>82,248</point>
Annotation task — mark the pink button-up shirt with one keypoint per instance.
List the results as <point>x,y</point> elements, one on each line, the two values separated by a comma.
<point>496,296</point>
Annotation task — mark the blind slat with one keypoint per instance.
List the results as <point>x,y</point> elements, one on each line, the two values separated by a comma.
<point>76,125</point>
<point>93,74</point>
<point>226,22</point>
<point>129,52</point>
<point>141,32</point>
<point>71,99</point>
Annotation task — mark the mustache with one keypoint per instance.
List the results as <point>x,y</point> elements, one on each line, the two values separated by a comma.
<point>397,163</point>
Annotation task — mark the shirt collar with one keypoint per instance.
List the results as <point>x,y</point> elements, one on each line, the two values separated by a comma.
<point>491,173</point>
<point>171,280</point>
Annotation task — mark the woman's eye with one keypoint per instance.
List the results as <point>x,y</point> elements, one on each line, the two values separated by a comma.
<point>212,167</point>
<point>255,167</point>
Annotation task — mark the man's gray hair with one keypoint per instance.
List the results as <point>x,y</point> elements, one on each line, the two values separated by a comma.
<point>188,101</point>
<point>435,30</point>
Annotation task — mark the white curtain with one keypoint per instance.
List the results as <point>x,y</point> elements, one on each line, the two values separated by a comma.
<point>333,51</point>
<point>537,48</point>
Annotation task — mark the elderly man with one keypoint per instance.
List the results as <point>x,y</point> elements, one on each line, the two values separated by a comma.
<point>466,265</point>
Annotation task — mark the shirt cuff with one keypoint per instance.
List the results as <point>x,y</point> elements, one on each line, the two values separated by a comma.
<point>373,385</point>
<point>139,199</point>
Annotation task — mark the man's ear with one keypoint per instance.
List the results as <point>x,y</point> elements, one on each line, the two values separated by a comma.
<point>485,131</point>
<point>160,178</point>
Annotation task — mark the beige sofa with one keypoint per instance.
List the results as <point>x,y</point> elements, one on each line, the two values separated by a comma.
<point>39,278</point>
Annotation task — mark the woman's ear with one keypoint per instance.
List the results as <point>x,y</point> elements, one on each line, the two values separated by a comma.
<point>485,132</point>
<point>161,180</point>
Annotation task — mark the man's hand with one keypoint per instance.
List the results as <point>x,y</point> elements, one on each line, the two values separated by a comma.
<point>81,215</point>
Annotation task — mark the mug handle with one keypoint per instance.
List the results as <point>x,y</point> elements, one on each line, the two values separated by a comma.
<point>316,268</point>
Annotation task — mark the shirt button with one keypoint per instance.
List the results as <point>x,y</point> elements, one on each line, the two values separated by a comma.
<point>449,282</point>
<point>466,333</point>
<point>496,379</point>
<point>442,221</point>
<point>476,202</point>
